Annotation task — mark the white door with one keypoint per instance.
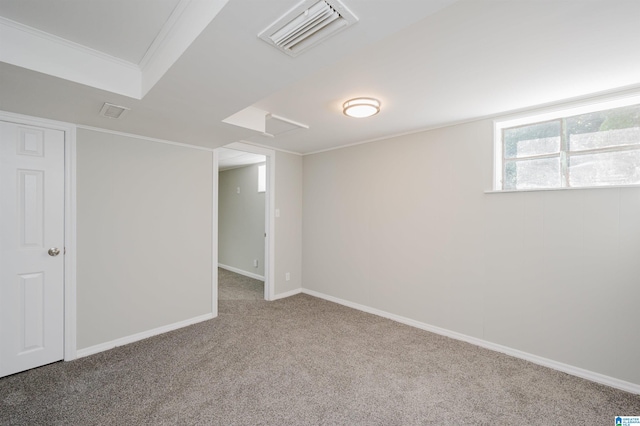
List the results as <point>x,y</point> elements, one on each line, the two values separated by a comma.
<point>31,234</point>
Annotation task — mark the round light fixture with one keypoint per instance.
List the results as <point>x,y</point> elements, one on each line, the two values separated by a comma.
<point>361,107</point>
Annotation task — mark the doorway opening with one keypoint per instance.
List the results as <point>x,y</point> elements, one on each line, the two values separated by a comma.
<point>244,221</point>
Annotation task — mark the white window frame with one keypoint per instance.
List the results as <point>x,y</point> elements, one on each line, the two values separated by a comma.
<point>548,115</point>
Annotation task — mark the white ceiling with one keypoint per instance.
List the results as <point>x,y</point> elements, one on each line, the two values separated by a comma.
<point>231,159</point>
<point>124,29</point>
<point>430,62</point>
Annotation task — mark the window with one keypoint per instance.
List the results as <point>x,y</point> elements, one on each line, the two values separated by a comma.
<point>262,178</point>
<point>588,146</point>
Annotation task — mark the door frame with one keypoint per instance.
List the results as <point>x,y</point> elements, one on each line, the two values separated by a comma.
<point>269,243</point>
<point>69,220</point>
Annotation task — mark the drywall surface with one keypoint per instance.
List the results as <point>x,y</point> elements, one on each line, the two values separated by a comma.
<point>241,220</point>
<point>144,213</point>
<point>405,226</point>
<point>288,227</point>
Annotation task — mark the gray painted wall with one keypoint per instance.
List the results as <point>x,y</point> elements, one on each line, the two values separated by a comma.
<point>144,235</point>
<point>404,226</point>
<point>288,241</point>
<point>144,246</point>
<point>241,220</point>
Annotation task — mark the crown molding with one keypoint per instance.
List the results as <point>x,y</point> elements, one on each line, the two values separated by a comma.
<point>39,51</point>
<point>36,50</point>
<point>188,20</point>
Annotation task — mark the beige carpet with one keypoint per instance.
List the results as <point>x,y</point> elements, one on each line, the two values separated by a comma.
<point>232,286</point>
<point>304,361</point>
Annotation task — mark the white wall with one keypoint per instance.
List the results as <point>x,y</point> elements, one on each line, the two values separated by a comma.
<point>241,220</point>
<point>144,243</point>
<point>288,238</point>
<point>404,226</point>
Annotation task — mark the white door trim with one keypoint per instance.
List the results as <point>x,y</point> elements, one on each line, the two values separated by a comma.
<point>69,220</point>
<point>214,236</point>
<point>269,273</point>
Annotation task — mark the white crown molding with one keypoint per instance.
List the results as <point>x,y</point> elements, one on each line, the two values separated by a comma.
<point>616,93</point>
<point>166,32</point>
<point>36,50</point>
<point>30,48</point>
<point>70,44</point>
<point>188,20</point>
<point>146,138</point>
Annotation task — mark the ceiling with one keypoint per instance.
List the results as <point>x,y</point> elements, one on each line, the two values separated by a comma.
<point>430,62</point>
<point>232,159</point>
<point>124,29</point>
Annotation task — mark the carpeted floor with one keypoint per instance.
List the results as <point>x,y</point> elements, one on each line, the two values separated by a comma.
<point>304,361</point>
<point>232,286</point>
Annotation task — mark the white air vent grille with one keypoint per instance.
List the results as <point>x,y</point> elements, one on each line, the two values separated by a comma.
<point>113,111</point>
<point>307,24</point>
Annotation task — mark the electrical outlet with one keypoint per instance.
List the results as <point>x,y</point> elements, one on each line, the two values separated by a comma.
<point>238,190</point>
<point>255,263</point>
<point>287,276</point>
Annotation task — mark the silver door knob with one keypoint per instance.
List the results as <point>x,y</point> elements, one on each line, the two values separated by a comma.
<point>54,251</point>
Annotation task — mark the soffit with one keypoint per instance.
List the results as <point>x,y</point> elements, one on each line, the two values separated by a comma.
<point>124,29</point>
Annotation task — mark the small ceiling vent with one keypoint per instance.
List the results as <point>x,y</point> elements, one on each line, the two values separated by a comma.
<point>307,24</point>
<point>113,111</point>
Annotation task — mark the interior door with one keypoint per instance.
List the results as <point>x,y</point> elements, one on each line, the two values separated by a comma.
<point>31,247</point>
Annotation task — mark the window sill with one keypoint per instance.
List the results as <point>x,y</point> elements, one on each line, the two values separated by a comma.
<point>502,191</point>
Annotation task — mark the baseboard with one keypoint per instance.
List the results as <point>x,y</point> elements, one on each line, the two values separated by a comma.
<point>287,294</point>
<point>140,336</point>
<point>545,362</point>
<point>241,272</point>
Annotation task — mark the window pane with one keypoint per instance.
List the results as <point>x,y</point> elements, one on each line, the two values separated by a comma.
<point>607,168</point>
<point>614,127</point>
<point>529,174</point>
<point>534,139</point>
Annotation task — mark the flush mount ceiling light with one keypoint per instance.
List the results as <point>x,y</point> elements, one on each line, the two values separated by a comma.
<point>361,107</point>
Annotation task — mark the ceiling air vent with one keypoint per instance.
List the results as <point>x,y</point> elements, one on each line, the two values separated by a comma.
<point>307,24</point>
<point>113,111</point>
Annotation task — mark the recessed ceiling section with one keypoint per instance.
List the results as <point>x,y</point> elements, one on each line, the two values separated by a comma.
<point>307,24</point>
<point>101,59</point>
<point>277,125</point>
<point>249,118</point>
<point>267,124</point>
<point>123,29</point>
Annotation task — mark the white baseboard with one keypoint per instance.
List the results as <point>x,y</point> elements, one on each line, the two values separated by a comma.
<point>140,336</point>
<point>241,272</point>
<point>545,362</point>
<point>287,294</point>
